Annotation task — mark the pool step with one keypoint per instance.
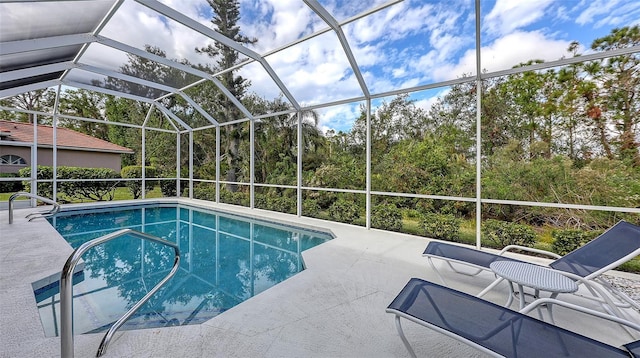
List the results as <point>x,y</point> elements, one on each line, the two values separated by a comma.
<point>48,286</point>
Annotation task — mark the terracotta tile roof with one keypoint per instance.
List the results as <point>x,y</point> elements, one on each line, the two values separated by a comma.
<point>67,138</point>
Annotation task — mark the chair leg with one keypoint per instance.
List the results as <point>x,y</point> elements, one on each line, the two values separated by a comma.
<point>625,300</point>
<point>550,308</point>
<point>433,267</point>
<point>404,339</point>
<point>464,272</point>
<point>490,287</point>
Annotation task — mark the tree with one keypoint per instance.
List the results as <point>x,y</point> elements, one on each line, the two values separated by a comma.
<point>225,21</point>
<point>39,100</point>
<point>276,141</point>
<point>83,103</point>
<point>158,145</point>
<point>525,93</point>
<point>427,166</point>
<point>496,118</point>
<point>125,111</point>
<point>274,163</point>
<point>206,94</point>
<point>145,69</point>
<point>616,100</point>
<point>453,118</point>
<point>571,107</point>
<point>391,122</point>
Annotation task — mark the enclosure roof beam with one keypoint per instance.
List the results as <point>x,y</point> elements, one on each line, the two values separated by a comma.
<point>44,43</point>
<point>172,115</point>
<point>185,68</point>
<point>14,91</point>
<point>36,71</point>
<point>214,35</point>
<point>107,91</point>
<point>333,23</point>
<point>128,78</point>
<point>96,30</point>
<point>194,25</point>
<point>565,61</point>
<point>198,108</point>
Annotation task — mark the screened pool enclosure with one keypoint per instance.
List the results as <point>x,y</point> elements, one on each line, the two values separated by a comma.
<point>385,114</point>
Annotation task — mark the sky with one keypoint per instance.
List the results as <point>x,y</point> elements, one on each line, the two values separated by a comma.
<point>410,43</point>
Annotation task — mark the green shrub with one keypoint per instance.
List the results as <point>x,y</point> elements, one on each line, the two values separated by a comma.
<point>135,186</point>
<point>323,198</point>
<point>441,226</point>
<point>344,211</point>
<point>565,241</point>
<point>310,208</point>
<point>168,188</point>
<point>283,204</point>
<point>503,233</point>
<point>412,214</point>
<point>85,186</point>
<point>235,198</point>
<point>45,189</point>
<point>386,217</point>
<point>260,201</point>
<point>10,186</point>
<point>204,191</point>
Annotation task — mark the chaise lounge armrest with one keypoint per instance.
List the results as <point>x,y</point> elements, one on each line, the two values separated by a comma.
<point>617,245</point>
<point>509,248</point>
<point>494,329</point>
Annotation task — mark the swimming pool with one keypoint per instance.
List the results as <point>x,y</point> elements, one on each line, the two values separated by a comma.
<point>225,260</point>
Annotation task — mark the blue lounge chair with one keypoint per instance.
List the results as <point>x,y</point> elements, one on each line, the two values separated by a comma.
<point>495,329</point>
<point>614,247</point>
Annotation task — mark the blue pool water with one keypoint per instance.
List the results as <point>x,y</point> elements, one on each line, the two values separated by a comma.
<point>225,259</point>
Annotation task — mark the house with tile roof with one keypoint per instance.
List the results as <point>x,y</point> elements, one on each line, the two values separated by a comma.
<point>74,149</point>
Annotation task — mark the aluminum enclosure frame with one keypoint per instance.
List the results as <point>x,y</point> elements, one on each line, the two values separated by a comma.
<point>53,73</point>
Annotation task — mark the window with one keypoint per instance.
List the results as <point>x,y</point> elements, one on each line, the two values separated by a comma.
<point>11,159</point>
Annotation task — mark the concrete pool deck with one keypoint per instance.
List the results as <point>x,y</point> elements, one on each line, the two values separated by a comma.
<point>334,308</point>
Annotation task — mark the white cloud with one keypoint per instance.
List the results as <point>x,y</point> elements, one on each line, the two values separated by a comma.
<point>405,45</point>
<point>315,71</point>
<point>369,29</point>
<point>282,22</point>
<point>506,52</point>
<point>508,15</point>
<point>178,41</point>
<point>426,103</point>
<point>190,8</point>
<point>594,9</point>
<point>339,118</point>
<point>610,13</point>
<point>399,72</point>
<point>399,37</point>
<point>367,55</point>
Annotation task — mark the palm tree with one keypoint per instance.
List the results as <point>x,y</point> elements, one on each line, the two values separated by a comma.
<point>276,142</point>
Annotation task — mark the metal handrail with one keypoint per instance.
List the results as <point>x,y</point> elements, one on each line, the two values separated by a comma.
<point>56,206</point>
<point>66,290</point>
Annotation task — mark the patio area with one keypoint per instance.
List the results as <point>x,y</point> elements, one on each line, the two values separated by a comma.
<point>334,308</point>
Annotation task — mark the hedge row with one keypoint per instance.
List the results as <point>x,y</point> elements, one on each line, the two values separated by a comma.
<point>10,186</point>
<point>384,216</point>
<point>86,185</point>
<point>495,233</point>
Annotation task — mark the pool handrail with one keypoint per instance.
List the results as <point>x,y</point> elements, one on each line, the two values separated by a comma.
<point>66,290</point>
<point>53,211</point>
